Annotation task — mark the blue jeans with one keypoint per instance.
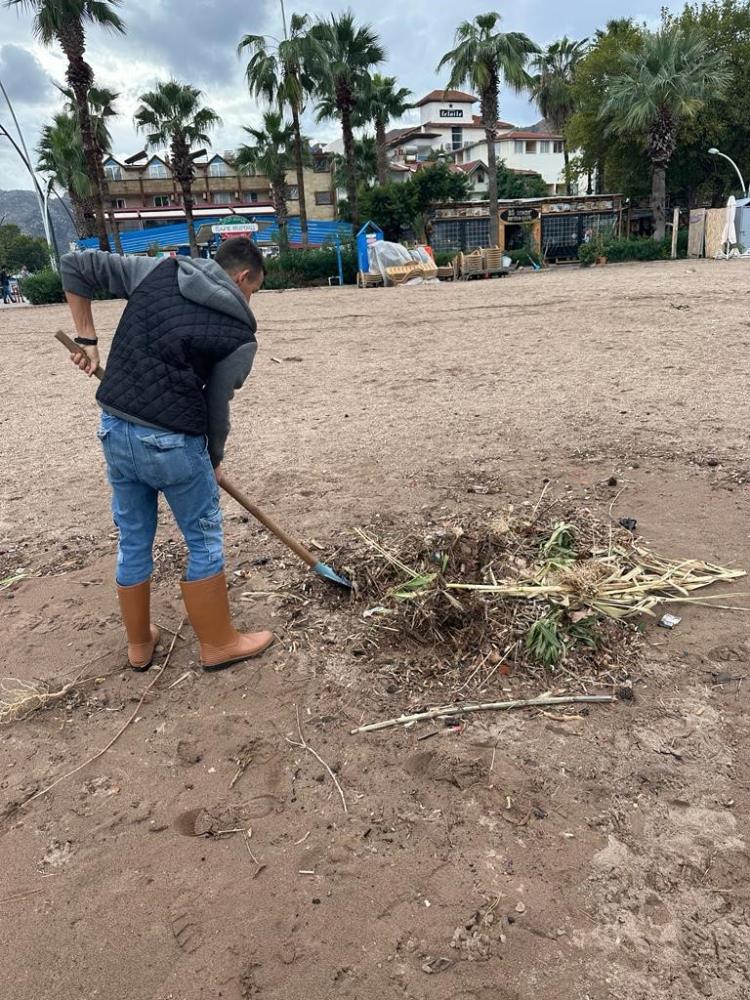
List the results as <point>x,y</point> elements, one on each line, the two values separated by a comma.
<point>141,463</point>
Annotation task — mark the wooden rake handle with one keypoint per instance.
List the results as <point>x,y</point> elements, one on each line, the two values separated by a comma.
<point>74,348</point>
<point>297,547</point>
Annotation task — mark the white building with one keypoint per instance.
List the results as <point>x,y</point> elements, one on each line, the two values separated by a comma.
<point>449,126</point>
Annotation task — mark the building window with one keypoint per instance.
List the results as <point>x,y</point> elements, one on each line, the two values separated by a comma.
<point>531,147</point>
<point>113,171</point>
<point>457,137</point>
<point>161,201</point>
<point>219,168</point>
<point>559,146</point>
<point>222,197</point>
<point>118,203</point>
<point>251,197</point>
<point>544,147</point>
<point>323,198</point>
<point>292,192</point>
<point>156,170</point>
<point>321,165</point>
<point>518,146</point>
<point>480,177</point>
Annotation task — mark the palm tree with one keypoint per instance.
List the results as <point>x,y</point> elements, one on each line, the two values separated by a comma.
<point>273,155</point>
<point>553,87</point>
<point>381,103</point>
<point>280,73</point>
<point>60,153</point>
<point>664,83</point>
<point>345,54</point>
<point>483,58</point>
<point>365,163</point>
<point>65,21</point>
<point>172,116</point>
<point>101,107</point>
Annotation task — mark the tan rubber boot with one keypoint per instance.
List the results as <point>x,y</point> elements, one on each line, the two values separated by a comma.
<point>135,607</point>
<point>207,603</point>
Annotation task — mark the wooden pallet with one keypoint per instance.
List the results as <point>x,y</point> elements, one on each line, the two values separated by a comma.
<point>369,279</point>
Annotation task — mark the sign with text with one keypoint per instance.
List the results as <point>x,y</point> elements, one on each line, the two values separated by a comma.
<point>451,113</point>
<point>238,229</point>
<point>515,216</point>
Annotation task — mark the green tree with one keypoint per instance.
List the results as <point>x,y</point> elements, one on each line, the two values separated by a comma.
<point>272,155</point>
<point>615,161</point>
<point>511,184</point>
<point>694,176</point>
<point>390,206</point>
<point>65,21</point>
<point>279,71</point>
<point>173,116</point>
<point>365,163</point>
<point>553,87</point>
<point>60,156</point>
<point>18,250</point>
<point>398,208</point>
<point>101,108</point>
<point>382,103</point>
<point>344,55</point>
<point>663,84</point>
<point>482,58</point>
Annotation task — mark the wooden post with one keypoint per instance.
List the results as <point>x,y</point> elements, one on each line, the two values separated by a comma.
<point>675,231</point>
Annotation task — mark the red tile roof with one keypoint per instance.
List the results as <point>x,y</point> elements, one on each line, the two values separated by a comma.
<point>525,133</point>
<point>454,96</point>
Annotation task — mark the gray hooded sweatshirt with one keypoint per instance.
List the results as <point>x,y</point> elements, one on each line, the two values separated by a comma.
<point>201,281</point>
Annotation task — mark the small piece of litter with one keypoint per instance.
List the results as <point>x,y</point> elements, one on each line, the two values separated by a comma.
<point>432,966</point>
<point>305,871</point>
<point>520,907</point>
<point>670,621</point>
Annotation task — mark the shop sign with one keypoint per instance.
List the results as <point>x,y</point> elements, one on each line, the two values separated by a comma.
<point>517,215</point>
<point>238,229</point>
<point>451,113</point>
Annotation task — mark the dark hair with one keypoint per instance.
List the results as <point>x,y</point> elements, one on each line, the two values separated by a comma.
<point>239,253</point>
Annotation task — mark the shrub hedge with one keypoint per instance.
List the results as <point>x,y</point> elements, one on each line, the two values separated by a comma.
<point>308,268</point>
<point>43,288</point>
<point>619,250</point>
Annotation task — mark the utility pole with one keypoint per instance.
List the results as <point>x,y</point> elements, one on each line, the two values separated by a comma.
<point>283,18</point>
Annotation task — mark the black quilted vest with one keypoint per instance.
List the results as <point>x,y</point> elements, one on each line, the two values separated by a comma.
<point>162,354</point>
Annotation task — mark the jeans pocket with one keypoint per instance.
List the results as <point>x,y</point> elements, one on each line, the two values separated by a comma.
<point>166,457</point>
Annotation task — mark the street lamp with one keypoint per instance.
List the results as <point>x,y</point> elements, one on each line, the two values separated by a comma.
<point>713,151</point>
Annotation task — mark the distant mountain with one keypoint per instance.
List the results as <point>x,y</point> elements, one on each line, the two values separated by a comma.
<point>21,208</point>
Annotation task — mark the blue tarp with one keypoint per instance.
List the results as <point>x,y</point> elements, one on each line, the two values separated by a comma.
<point>139,240</point>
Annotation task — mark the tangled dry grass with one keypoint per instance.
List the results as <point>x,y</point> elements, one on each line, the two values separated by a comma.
<point>545,593</point>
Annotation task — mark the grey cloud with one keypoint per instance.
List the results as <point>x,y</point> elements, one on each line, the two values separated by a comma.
<point>194,40</point>
<point>23,75</point>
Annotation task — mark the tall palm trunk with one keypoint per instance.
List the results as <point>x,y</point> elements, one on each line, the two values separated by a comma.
<point>659,200</point>
<point>345,105</point>
<point>566,157</point>
<point>382,151</point>
<point>113,228</point>
<point>80,77</point>
<point>182,169</point>
<point>186,186</point>
<point>278,188</point>
<point>299,166</point>
<point>490,114</point>
<point>662,141</point>
<point>79,213</point>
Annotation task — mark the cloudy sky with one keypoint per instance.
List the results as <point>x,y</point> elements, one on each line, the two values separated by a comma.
<point>195,40</point>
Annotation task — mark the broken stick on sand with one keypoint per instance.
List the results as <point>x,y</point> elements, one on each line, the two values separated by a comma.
<point>490,706</point>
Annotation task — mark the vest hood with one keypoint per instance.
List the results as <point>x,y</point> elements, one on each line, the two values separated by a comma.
<point>207,284</point>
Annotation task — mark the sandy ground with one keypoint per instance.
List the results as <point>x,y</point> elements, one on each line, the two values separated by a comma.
<point>600,859</point>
